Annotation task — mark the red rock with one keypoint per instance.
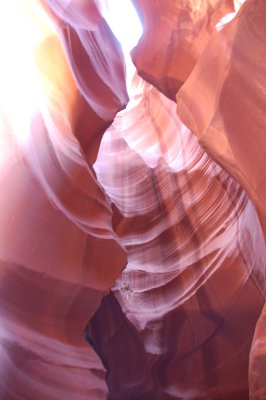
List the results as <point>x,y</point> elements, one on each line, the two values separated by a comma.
<point>175,34</point>
<point>186,306</point>
<point>257,367</point>
<point>186,317</point>
<point>223,100</point>
<point>59,255</point>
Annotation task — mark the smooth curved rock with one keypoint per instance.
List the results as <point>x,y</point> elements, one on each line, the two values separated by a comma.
<point>58,252</point>
<point>257,368</point>
<point>186,318</point>
<point>223,100</point>
<point>186,306</point>
<point>97,65</point>
<point>175,34</point>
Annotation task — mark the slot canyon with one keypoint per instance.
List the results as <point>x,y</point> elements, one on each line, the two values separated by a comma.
<point>133,200</point>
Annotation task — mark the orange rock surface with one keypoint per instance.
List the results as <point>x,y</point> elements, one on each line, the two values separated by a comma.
<point>175,34</point>
<point>132,240</point>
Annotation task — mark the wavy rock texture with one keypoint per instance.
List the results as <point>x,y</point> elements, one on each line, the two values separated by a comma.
<point>186,318</point>
<point>97,65</point>
<point>175,34</point>
<point>58,252</point>
<point>223,100</point>
<point>180,320</point>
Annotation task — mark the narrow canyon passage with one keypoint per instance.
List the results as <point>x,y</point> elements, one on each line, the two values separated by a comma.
<point>132,200</point>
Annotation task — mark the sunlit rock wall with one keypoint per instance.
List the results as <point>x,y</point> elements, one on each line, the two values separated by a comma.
<point>176,32</point>
<point>186,306</point>
<point>223,100</point>
<point>59,254</point>
<point>141,276</point>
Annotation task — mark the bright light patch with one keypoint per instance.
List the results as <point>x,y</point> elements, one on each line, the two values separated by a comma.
<point>225,20</point>
<point>126,26</point>
<point>229,17</point>
<point>20,31</point>
<point>124,22</point>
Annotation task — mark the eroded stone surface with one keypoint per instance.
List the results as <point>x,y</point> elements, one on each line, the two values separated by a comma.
<point>179,321</point>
